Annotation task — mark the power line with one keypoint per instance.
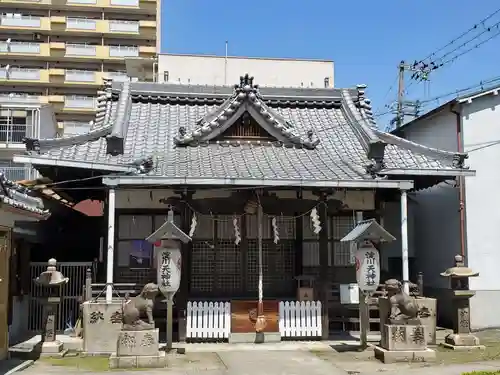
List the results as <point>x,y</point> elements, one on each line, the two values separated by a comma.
<point>461,35</point>
<point>452,59</point>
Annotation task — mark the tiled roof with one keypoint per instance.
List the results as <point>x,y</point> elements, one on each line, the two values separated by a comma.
<point>319,134</point>
<point>18,197</point>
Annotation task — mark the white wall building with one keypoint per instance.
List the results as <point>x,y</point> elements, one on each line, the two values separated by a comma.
<point>22,116</point>
<point>221,70</point>
<point>471,124</point>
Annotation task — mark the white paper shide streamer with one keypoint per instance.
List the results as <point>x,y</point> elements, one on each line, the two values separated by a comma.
<point>194,223</point>
<point>316,222</point>
<point>276,234</point>
<point>237,233</point>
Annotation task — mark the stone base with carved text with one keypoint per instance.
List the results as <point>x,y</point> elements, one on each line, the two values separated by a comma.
<point>137,349</point>
<point>404,343</point>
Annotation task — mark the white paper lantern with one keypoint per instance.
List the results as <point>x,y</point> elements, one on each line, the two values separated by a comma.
<point>168,268</point>
<point>367,267</point>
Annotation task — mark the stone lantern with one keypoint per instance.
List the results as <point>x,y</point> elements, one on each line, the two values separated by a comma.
<point>51,282</point>
<point>459,285</point>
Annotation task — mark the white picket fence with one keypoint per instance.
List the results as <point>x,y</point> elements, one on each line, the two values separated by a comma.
<point>300,319</point>
<point>208,320</point>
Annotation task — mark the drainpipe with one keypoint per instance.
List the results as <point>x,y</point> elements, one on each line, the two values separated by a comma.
<point>461,183</point>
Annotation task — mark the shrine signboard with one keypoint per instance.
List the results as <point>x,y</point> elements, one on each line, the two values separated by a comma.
<point>367,267</point>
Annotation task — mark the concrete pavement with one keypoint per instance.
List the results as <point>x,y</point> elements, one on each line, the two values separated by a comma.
<point>271,363</point>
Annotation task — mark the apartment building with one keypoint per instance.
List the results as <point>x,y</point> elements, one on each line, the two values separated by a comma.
<point>57,52</point>
<point>21,117</point>
<point>225,70</point>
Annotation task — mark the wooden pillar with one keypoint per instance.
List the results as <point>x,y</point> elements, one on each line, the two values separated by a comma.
<point>323,264</point>
<point>244,254</point>
<point>299,240</point>
<point>186,248</point>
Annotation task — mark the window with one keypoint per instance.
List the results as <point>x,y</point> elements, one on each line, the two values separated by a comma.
<point>132,249</point>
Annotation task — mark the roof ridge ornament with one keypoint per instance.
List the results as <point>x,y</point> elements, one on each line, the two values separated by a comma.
<point>246,85</point>
<point>246,98</point>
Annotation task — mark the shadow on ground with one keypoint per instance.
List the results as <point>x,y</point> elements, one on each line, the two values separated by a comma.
<point>11,364</point>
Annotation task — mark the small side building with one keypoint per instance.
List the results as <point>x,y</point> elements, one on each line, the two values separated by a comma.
<point>460,216</point>
<point>16,203</point>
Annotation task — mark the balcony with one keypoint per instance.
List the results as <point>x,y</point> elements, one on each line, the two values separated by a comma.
<point>20,21</point>
<point>20,47</point>
<point>81,24</point>
<point>72,51</point>
<point>124,3</point>
<point>15,98</point>
<point>117,76</point>
<point>117,26</point>
<point>72,128</point>
<point>83,2</point>
<point>14,133</point>
<point>123,51</point>
<point>128,6</point>
<point>81,50</point>
<point>79,103</point>
<point>79,76</point>
<point>17,172</point>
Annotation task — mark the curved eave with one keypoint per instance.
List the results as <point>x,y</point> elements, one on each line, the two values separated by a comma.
<point>179,181</point>
<point>41,145</point>
<point>56,162</point>
<point>451,157</point>
<point>428,172</point>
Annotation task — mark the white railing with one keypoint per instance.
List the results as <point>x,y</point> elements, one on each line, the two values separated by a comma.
<point>123,26</point>
<point>117,76</point>
<point>86,102</point>
<point>17,173</point>
<point>20,47</point>
<point>80,23</point>
<point>19,98</point>
<point>123,51</point>
<point>300,319</point>
<point>24,74</point>
<point>81,1</point>
<point>208,320</point>
<point>16,19</point>
<point>127,3</point>
<point>80,50</point>
<point>79,75</point>
<point>72,128</point>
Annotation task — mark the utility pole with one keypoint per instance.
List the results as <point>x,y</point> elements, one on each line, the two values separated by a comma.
<point>420,72</point>
<point>401,94</point>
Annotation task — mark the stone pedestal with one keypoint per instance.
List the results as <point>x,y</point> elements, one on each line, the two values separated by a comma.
<point>462,338</point>
<point>404,343</point>
<point>102,323</point>
<point>139,349</point>
<point>427,315</point>
<point>51,346</point>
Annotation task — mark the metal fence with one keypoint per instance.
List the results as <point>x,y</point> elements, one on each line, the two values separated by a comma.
<point>71,294</point>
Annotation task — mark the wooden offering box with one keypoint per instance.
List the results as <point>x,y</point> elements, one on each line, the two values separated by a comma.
<point>244,313</point>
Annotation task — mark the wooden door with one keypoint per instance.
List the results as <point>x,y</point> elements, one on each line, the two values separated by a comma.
<point>5,246</point>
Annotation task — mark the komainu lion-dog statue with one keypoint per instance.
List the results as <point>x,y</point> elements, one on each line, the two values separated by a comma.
<point>404,309</point>
<point>138,308</point>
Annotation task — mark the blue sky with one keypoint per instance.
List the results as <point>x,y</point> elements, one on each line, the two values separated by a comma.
<point>366,39</point>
